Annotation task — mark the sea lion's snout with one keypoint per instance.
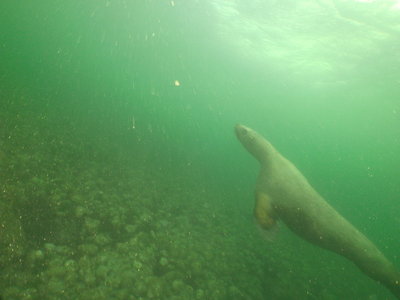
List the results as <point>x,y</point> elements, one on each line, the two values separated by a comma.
<point>245,135</point>
<point>253,142</point>
<point>241,131</point>
<point>238,128</point>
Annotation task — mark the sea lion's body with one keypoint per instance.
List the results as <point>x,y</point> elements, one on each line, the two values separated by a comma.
<point>282,192</point>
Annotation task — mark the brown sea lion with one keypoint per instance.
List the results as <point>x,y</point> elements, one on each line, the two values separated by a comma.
<point>282,192</point>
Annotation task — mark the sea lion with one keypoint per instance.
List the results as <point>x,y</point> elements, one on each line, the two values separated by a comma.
<point>282,192</point>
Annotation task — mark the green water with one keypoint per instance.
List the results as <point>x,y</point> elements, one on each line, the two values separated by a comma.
<point>121,177</point>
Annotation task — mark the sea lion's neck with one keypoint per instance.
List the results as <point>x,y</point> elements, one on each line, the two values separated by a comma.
<point>262,151</point>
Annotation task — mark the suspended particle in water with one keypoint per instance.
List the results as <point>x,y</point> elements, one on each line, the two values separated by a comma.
<point>177,83</point>
<point>133,122</point>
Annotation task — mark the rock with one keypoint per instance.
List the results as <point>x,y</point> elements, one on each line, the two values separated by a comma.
<point>163,261</point>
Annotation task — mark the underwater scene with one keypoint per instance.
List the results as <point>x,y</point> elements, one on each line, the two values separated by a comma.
<point>206,150</point>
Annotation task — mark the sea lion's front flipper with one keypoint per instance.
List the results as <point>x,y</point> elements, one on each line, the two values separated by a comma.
<point>264,212</point>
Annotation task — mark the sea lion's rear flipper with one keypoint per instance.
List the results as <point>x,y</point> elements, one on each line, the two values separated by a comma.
<point>265,216</point>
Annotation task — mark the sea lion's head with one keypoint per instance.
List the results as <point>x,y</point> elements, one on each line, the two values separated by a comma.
<point>258,146</point>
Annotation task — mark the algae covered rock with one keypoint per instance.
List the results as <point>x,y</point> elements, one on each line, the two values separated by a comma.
<point>12,241</point>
